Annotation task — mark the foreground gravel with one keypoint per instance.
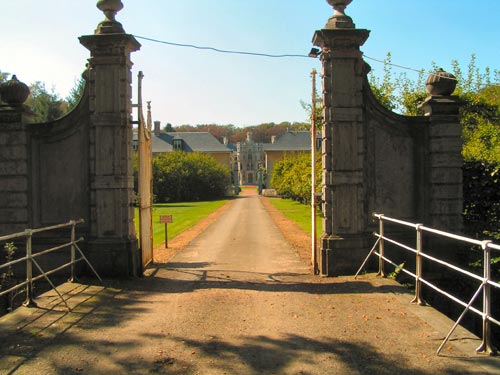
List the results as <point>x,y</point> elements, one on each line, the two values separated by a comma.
<point>237,300</point>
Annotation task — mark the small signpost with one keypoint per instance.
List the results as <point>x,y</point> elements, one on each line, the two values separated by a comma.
<point>166,219</point>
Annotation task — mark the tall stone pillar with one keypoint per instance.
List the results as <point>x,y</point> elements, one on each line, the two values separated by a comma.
<point>14,157</point>
<point>343,147</point>
<point>112,246</point>
<point>444,188</point>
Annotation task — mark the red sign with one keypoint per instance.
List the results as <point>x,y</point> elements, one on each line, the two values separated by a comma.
<point>165,219</point>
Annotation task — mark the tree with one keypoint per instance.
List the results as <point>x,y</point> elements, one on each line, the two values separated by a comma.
<point>75,94</point>
<point>47,106</point>
<point>480,116</point>
<point>4,76</point>
<point>291,176</point>
<point>182,176</point>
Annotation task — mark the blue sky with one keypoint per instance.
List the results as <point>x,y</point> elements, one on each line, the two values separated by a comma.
<point>40,42</point>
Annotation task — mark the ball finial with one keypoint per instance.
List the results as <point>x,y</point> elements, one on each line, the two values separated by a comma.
<point>110,25</point>
<point>441,83</point>
<point>339,20</point>
<point>14,92</point>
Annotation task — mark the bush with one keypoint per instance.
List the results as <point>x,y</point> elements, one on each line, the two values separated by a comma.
<point>291,177</point>
<point>179,177</point>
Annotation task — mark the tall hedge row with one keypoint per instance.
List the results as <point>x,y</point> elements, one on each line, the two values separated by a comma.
<point>482,199</point>
<point>182,177</point>
<point>291,176</point>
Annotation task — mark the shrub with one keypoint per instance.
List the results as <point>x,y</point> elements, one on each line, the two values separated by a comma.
<point>180,176</point>
<point>291,176</point>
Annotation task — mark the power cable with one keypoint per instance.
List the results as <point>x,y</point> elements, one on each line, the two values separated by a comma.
<point>259,54</point>
<point>222,50</point>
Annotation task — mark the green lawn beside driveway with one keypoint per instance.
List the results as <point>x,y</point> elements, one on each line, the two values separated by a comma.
<point>298,212</point>
<point>184,215</point>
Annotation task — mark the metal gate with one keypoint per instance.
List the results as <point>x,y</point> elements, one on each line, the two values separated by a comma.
<point>145,186</point>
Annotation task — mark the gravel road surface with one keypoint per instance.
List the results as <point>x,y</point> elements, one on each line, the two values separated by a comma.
<point>237,300</point>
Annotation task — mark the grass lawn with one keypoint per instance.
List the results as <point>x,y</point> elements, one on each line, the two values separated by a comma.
<point>184,216</point>
<point>298,212</point>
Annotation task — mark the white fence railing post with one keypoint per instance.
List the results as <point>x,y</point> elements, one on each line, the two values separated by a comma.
<point>486,345</point>
<point>381,269</point>
<point>29,302</point>
<point>418,268</point>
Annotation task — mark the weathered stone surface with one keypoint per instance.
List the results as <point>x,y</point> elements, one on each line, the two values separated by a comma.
<point>8,168</point>
<point>12,153</point>
<point>13,200</point>
<point>377,161</point>
<point>14,215</point>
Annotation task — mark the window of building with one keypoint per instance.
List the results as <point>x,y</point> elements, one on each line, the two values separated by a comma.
<point>177,144</point>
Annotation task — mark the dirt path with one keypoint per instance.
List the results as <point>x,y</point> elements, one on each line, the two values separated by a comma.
<point>295,236</point>
<point>237,300</point>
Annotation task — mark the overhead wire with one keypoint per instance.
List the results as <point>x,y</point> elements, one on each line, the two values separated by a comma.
<point>222,50</point>
<point>260,54</point>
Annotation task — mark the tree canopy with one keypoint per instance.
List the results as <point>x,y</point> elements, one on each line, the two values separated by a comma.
<point>188,176</point>
<point>480,115</point>
<point>260,133</point>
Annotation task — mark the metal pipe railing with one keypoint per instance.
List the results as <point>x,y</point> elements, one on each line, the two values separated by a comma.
<point>486,280</point>
<point>30,260</point>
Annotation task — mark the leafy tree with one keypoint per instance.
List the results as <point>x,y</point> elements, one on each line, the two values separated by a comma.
<point>291,176</point>
<point>480,116</point>
<point>46,105</point>
<point>260,133</point>
<point>182,176</point>
<point>168,128</point>
<point>4,76</point>
<point>75,94</point>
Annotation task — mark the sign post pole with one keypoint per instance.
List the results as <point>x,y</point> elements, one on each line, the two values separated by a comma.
<point>165,219</point>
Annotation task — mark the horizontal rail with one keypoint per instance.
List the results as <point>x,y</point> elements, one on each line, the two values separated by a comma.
<point>434,231</point>
<point>30,259</point>
<point>485,280</point>
<point>15,287</point>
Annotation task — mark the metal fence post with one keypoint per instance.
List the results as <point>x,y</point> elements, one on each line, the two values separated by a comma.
<point>72,251</point>
<point>486,346</point>
<point>29,271</point>
<point>381,271</point>
<point>418,268</point>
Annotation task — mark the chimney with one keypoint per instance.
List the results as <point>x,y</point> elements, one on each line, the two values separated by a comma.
<point>225,141</point>
<point>249,137</point>
<point>273,139</point>
<point>157,128</point>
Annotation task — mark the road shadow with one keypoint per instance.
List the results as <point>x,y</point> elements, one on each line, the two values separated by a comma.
<point>72,343</point>
<point>187,277</point>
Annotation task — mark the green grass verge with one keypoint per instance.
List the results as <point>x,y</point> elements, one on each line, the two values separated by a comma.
<point>298,212</point>
<point>184,216</point>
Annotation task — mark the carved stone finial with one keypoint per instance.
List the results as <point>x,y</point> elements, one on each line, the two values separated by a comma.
<point>110,8</point>
<point>14,92</point>
<point>441,83</point>
<point>339,20</point>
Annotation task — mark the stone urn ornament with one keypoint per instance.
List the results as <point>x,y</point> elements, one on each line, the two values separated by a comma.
<point>110,25</point>
<point>14,92</point>
<point>441,83</point>
<point>339,20</point>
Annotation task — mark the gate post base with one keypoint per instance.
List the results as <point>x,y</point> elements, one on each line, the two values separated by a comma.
<point>342,255</point>
<point>114,258</point>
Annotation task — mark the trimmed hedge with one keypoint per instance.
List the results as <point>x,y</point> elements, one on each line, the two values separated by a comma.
<point>186,177</point>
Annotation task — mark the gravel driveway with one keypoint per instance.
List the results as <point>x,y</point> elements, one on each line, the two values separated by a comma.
<point>237,300</point>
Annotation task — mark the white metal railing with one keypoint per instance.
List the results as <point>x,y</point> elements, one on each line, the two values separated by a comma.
<point>31,259</point>
<point>486,282</point>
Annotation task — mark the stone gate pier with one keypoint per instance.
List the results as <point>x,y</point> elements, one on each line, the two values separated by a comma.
<point>375,160</point>
<point>79,166</point>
